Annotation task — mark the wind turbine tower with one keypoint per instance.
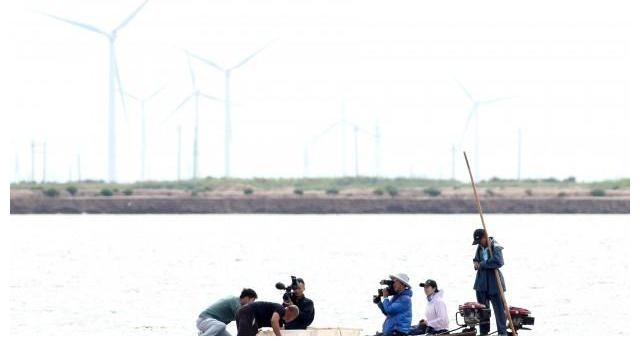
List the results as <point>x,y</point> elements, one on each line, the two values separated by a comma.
<point>114,76</point>
<point>227,100</point>
<point>143,129</point>
<point>473,114</point>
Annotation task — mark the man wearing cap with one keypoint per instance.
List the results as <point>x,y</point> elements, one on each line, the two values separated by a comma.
<point>436,319</point>
<point>398,309</point>
<point>486,263</point>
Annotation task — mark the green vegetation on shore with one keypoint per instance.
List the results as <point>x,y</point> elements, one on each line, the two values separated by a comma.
<point>324,184</point>
<point>332,186</point>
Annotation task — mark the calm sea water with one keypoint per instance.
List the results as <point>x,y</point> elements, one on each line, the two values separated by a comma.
<point>153,274</point>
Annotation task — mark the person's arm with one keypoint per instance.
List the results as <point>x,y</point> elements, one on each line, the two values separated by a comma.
<point>495,261</point>
<point>398,306</point>
<point>275,324</point>
<point>381,306</point>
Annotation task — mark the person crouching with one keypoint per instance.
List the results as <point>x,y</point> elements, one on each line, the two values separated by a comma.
<point>252,317</point>
<point>213,321</point>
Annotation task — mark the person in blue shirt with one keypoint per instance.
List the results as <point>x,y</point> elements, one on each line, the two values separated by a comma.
<point>486,285</point>
<point>397,309</point>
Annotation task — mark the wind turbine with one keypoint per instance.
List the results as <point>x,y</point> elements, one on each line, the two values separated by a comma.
<point>143,129</point>
<point>179,163</point>
<point>356,131</point>
<point>473,114</point>
<point>227,94</point>
<point>44,162</point>
<point>377,138</point>
<point>195,95</point>
<point>114,76</point>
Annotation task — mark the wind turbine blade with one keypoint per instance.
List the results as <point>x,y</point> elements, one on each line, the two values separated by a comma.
<point>154,93</point>
<point>130,17</point>
<point>244,61</point>
<point>203,60</point>
<point>186,100</point>
<point>191,74</point>
<point>466,92</point>
<point>324,132</point>
<point>120,88</point>
<point>131,96</point>
<point>76,23</point>
<point>213,98</point>
<point>493,101</point>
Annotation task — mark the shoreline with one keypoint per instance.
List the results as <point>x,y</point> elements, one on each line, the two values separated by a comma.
<point>257,204</point>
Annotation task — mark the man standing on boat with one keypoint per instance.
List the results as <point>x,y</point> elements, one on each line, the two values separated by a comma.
<point>486,286</point>
<point>398,309</point>
<point>307,310</point>
<point>213,321</point>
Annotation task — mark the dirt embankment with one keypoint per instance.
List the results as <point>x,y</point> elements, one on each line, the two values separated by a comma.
<point>29,204</point>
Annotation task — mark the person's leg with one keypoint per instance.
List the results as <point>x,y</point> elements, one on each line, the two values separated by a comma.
<point>419,329</point>
<point>212,327</point>
<point>501,316</point>
<point>483,298</point>
<point>246,323</point>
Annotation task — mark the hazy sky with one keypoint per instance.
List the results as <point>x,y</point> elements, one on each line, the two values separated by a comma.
<point>563,68</point>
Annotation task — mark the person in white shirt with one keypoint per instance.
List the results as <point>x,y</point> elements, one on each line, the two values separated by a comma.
<point>436,319</point>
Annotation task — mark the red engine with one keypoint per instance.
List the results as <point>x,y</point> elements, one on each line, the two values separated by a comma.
<point>521,317</point>
<point>474,314</point>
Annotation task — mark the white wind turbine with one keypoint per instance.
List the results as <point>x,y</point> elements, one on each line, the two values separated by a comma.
<point>195,95</point>
<point>227,100</point>
<point>143,128</point>
<point>114,76</point>
<point>473,114</point>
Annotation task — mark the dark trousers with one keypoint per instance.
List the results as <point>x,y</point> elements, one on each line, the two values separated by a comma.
<point>246,322</point>
<point>423,329</point>
<point>498,310</point>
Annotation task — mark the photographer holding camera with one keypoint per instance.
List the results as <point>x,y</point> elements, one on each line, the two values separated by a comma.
<point>294,295</point>
<point>398,309</point>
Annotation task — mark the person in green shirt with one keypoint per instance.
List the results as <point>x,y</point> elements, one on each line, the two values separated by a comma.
<point>213,321</point>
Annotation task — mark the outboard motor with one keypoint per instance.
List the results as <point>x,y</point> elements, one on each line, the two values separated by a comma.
<point>473,314</point>
<point>521,317</point>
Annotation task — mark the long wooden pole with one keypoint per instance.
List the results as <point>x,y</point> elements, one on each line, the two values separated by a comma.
<point>484,226</point>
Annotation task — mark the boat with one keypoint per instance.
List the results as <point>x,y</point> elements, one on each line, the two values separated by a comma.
<point>338,331</point>
<point>472,314</point>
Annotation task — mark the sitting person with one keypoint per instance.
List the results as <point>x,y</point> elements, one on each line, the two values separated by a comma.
<point>252,317</point>
<point>213,321</point>
<point>398,309</point>
<point>436,319</point>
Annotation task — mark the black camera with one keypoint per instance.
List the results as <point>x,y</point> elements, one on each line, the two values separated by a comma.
<point>289,291</point>
<point>389,287</point>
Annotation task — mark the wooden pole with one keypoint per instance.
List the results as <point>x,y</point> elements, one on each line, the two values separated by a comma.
<point>484,226</point>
